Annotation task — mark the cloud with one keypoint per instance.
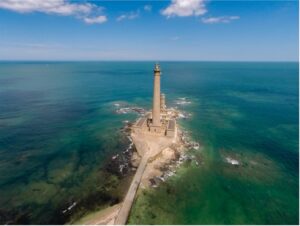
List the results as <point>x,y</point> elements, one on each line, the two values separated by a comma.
<point>58,7</point>
<point>221,19</point>
<point>61,7</point>
<point>129,16</point>
<point>184,8</point>
<point>148,8</point>
<point>95,20</point>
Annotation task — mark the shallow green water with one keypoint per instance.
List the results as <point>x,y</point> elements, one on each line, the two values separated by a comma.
<point>58,132</point>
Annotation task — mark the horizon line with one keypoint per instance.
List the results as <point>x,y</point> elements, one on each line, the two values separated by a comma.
<point>120,60</point>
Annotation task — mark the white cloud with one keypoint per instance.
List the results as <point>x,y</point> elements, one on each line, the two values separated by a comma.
<point>221,19</point>
<point>61,7</point>
<point>148,8</point>
<point>129,16</point>
<point>185,8</point>
<point>58,7</point>
<point>95,20</point>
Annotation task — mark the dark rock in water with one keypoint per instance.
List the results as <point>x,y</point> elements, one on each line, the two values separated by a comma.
<point>13,217</point>
<point>139,110</point>
<point>189,160</point>
<point>152,182</point>
<point>199,159</point>
<point>127,130</point>
<point>22,218</point>
<point>120,164</point>
<point>164,168</point>
<point>126,110</point>
<point>97,198</point>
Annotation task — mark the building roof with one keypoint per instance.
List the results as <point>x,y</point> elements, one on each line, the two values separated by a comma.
<point>171,124</point>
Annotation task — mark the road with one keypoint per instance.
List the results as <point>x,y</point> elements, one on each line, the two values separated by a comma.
<point>129,199</point>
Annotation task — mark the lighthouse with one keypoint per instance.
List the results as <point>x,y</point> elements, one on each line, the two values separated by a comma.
<point>161,120</point>
<point>156,123</point>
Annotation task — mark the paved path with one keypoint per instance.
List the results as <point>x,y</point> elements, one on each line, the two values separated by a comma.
<point>129,199</point>
<point>147,146</point>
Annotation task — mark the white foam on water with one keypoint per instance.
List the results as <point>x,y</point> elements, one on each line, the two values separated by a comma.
<point>232,161</point>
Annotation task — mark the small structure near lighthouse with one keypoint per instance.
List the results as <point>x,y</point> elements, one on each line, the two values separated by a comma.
<point>158,122</point>
<point>163,106</point>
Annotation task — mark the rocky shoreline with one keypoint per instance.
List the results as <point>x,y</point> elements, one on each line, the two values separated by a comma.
<point>159,169</point>
<point>167,162</point>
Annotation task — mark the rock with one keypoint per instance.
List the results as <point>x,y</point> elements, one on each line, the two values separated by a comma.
<point>135,159</point>
<point>169,153</point>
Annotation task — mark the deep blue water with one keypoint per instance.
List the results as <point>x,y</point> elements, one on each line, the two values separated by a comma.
<point>59,129</point>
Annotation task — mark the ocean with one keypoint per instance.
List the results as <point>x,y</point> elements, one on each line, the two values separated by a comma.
<point>59,130</point>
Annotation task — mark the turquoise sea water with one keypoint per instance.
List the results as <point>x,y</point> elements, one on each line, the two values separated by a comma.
<point>59,130</point>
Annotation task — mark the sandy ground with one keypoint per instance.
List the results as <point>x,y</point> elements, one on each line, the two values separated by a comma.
<point>153,168</point>
<point>163,151</point>
<point>103,217</point>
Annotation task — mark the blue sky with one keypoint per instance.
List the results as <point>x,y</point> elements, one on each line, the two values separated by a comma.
<point>149,30</point>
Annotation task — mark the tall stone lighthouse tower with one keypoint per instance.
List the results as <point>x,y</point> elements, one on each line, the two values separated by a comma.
<point>156,124</point>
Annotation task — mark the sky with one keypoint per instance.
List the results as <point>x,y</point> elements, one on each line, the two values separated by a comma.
<point>197,30</point>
